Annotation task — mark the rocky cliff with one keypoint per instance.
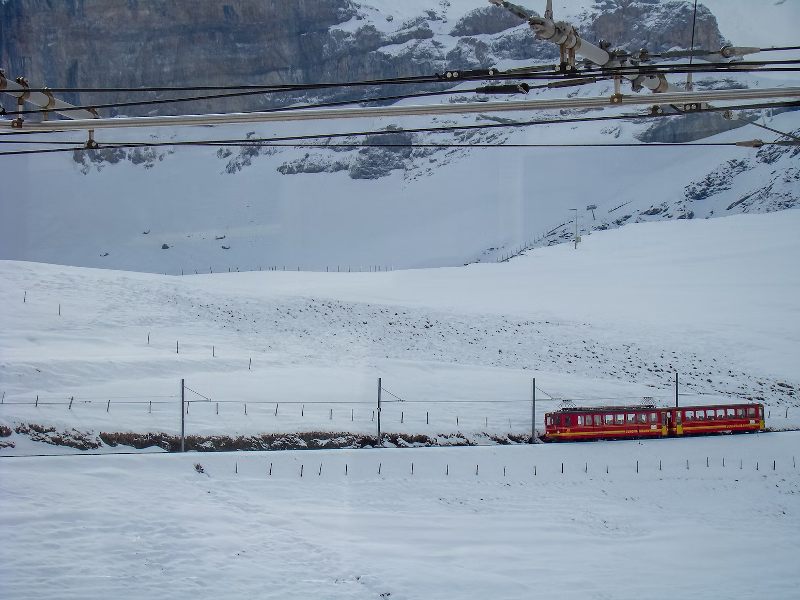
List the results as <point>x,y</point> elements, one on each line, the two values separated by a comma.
<point>96,43</point>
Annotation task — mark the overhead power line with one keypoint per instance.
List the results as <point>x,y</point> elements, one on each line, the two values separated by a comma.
<point>549,71</point>
<point>393,131</point>
<point>743,144</point>
<point>685,99</point>
<point>561,80</point>
<point>496,89</point>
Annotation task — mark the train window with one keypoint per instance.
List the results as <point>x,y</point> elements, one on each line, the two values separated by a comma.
<point>739,412</point>
<point>631,418</point>
<point>730,412</point>
<point>654,417</point>
<point>580,420</point>
<point>689,414</point>
<point>751,412</point>
<point>597,420</point>
<point>699,415</point>
<point>549,420</point>
<point>643,418</point>
<point>619,419</point>
<point>720,413</point>
<point>710,413</point>
<point>608,419</point>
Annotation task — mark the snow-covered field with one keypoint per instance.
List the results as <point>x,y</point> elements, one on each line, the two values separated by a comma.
<point>90,351</point>
<point>151,526</point>
<point>456,348</point>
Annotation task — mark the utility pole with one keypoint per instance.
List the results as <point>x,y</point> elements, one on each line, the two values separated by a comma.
<point>380,441</point>
<point>533,411</point>
<point>183,416</point>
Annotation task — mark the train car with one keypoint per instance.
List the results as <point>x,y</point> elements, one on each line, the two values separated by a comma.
<point>605,423</point>
<point>704,420</point>
<point>648,421</point>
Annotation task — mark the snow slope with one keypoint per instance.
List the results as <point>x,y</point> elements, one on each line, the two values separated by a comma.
<point>151,526</point>
<point>714,300</point>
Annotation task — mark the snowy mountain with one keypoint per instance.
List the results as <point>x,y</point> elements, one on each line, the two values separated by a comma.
<point>205,209</point>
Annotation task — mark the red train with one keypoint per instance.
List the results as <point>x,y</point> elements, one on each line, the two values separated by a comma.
<point>648,421</point>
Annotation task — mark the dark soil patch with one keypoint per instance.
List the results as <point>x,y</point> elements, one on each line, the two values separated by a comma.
<point>311,440</point>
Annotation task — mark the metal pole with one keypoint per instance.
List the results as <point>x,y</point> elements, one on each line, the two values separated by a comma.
<point>380,442</point>
<point>183,417</point>
<point>676,390</point>
<point>533,411</point>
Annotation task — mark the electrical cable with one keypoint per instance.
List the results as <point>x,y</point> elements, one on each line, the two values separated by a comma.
<point>783,133</point>
<point>550,71</point>
<point>186,387</point>
<point>518,89</point>
<point>778,48</point>
<point>391,394</point>
<point>482,126</point>
<point>745,144</point>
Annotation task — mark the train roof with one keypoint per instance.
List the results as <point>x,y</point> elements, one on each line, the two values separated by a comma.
<point>571,409</point>
<point>581,409</point>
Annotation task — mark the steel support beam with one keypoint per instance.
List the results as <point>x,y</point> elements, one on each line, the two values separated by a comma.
<point>682,99</point>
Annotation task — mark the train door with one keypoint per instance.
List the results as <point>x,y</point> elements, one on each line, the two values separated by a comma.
<point>673,422</point>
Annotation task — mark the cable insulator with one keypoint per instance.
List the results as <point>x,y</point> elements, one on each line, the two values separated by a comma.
<point>512,88</point>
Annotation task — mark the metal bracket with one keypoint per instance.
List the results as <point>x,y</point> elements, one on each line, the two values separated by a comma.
<point>460,74</point>
<point>91,144</point>
<point>51,101</point>
<point>26,93</point>
<point>616,97</point>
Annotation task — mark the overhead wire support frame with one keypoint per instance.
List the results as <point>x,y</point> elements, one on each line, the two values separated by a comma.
<point>44,99</point>
<point>677,98</point>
